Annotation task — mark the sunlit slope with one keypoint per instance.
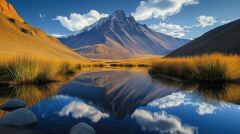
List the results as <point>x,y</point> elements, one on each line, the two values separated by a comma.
<point>18,38</point>
<point>7,9</point>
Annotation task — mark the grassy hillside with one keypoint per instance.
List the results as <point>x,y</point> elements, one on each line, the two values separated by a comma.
<point>28,55</point>
<point>19,38</point>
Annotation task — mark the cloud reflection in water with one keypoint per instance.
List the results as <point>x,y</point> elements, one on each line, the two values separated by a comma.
<point>80,109</point>
<point>184,98</point>
<point>161,122</point>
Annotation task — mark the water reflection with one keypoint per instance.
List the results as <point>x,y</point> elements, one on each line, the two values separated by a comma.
<point>80,109</point>
<point>30,94</point>
<point>161,122</point>
<point>185,98</point>
<point>133,102</point>
<point>227,92</point>
<point>117,92</point>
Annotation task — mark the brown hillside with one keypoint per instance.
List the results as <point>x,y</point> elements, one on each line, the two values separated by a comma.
<point>19,38</point>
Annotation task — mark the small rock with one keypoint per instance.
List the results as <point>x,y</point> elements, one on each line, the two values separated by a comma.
<point>20,117</point>
<point>82,128</point>
<point>12,105</point>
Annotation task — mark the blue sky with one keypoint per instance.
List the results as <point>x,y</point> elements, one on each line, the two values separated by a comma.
<point>179,18</point>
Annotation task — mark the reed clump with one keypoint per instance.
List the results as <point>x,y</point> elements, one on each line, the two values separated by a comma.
<point>67,69</point>
<point>34,70</point>
<point>214,68</point>
<point>25,70</point>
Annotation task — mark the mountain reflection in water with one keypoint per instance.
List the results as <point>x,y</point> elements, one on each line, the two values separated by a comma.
<point>117,92</point>
<point>133,102</point>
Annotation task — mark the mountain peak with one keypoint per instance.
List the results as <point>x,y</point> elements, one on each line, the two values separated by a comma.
<point>118,13</point>
<point>120,17</point>
<point>8,10</point>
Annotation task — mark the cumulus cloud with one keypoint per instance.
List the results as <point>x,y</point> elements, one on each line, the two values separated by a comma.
<point>169,29</point>
<point>180,31</point>
<point>161,122</point>
<point>77,22</point>
<point>79,109</point>
<point>57,35</point>
<point>205,21</point>
<point>160,9</point>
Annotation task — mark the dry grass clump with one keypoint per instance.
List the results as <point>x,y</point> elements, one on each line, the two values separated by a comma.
<point>214,67</point>
<point>66,69</point>
<point>25,70</point>
<point>30,70</point>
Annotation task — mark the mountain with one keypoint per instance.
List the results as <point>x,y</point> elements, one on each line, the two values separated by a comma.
<point>223,39</point>
<point>19,38</point>
<point>119,36</point>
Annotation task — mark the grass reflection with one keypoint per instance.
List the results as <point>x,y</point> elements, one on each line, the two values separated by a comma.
<point>30,94</point>
<point>227,92</point>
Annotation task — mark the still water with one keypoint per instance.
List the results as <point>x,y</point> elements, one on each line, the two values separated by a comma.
<point>132,102</point>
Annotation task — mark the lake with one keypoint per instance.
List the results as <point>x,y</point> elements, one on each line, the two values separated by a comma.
<point>132,102</point>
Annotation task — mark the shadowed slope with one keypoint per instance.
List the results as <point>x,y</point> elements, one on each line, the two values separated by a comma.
<point>224,39</point>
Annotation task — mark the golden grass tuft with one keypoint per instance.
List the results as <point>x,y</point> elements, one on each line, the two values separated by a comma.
<point>214,67</point>
<point>67,69</point>
<point>25,70</point>
<point>29,70</point>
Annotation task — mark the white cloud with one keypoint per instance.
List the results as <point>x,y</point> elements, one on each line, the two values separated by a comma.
<point>226,21</point>
<point>76,22</point>
<point>169,29</point>
<point>161,122</point>
<point>160,9</point>
<point>205,21</point>
<point>79,109</point>
<point>180,31</point>
<point>57,35</point>
<point>42,16</point>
